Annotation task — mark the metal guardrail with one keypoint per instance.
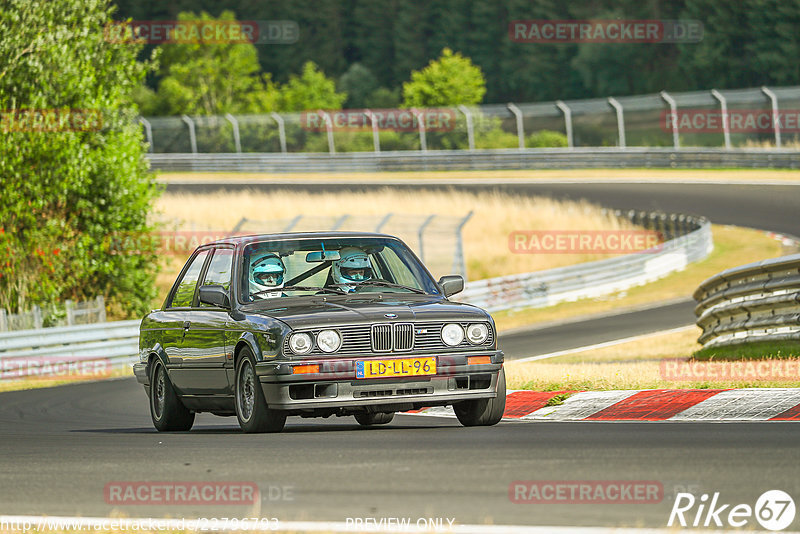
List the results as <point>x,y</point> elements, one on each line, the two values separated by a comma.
<point>754,302</point>
<point>440,160</point>
<point>43,352</point>
<point>688,240</point>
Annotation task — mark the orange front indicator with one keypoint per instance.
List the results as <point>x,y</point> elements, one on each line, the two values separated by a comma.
<point>305,369</point>
<point>479,360</point>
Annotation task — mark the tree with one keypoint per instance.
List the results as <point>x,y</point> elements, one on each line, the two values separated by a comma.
<point>311,90</point>
<point>448,81</point>
<point>203,79</point>
<point>359,83</point>
<point>70,182</point>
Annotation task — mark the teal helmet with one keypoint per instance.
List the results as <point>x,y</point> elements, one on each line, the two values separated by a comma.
<point>266,272</point>
<point>353,266</point>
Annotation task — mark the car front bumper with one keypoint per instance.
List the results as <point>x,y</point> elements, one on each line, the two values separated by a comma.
<point>336,385</point>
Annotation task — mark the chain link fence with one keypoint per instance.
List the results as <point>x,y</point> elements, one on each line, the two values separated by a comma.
<point>761,117</point>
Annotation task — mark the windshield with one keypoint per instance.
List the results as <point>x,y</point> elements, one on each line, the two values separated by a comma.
<point>331,266</point>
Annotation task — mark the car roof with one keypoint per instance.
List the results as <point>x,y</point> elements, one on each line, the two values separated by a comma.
<point>285,236</point>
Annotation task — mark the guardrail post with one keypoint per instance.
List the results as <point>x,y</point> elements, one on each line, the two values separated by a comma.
<point>236,139</point>
<point>673,109</point>
<point>3,321</point>
<point>148,132</point>
<point>383,222</point>
<point>620,120</point>
<point>726,127</point>
<point>192,137</point>
<point>37,317</point>
<point>470,130</point>
<point>567,121</point>
<point>420,233</point>
<point>328,129</point>
<point>773,98</point>
<point>281,130</point>
<point>423,141</point>
<point>459,261</point>
<point>376,138</point>
<point>520,125</point>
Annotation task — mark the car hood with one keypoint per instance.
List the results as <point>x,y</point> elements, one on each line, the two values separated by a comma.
<point>338,311</point>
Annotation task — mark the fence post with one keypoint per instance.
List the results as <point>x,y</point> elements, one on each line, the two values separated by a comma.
<point>281,130</point>
<point>37,317</point>
<point>567,121</point>
<point>383,222</point>
<point>620,120</point>
<point>192,137</point>
<point>329,129</point>
<point>239,225</point>
<point>148,132</point>
<point>423,141</point>
<point>101,304</point>
<point>726,127</point>
<point>470,130</point>
<point>419,236</point>
<point>69,306</point>
<point>520,126</point>
<point>339,222</point>
<point>236,139</point>
<point>773,98</point>
<point>376,138</point>
<point>3,321</point>
<point>459,261</point>
<point>673,109</point>
<point>292,223</point>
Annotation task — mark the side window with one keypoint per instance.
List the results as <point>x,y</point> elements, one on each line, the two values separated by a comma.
<point>185,292</point>
<point>219,270</point>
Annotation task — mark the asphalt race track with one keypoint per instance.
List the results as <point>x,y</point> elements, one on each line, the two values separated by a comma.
<point>60,447</point>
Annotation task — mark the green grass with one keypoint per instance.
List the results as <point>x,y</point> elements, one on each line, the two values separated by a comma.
<point>558,400</point>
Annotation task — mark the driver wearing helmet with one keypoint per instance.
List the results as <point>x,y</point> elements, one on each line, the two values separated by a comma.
<point>266,276</point>
<point>352,267</point>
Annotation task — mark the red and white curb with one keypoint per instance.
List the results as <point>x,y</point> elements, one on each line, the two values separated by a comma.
<point>757,404</point>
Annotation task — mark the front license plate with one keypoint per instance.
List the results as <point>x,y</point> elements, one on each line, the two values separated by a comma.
<point>399,367</point>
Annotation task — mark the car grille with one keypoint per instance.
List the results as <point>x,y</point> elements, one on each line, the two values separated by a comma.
<point>392,337</point>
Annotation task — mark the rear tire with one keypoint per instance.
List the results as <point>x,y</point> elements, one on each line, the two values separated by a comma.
<point>166,409</point>
<point>251,407</point>
<point>371,419</point>
<point>483,412</point>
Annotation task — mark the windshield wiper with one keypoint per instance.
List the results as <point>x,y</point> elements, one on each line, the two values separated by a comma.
<point>335,291</point>
<point>384,283</point>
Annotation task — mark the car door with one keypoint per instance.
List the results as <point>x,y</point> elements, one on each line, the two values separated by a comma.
<point>204,355</point>
<point>175,317</point>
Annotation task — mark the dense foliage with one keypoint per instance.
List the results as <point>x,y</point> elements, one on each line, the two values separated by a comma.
<point>72,176</point>
<point>746,43</point>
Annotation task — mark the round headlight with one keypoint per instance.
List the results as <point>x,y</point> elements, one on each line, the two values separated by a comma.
<point>329,341</point>
<point>477,333</point>
<point>452,334</point>
<point>300,343</point>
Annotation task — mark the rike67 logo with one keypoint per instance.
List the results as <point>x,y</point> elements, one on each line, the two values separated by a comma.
<point>774,510</point>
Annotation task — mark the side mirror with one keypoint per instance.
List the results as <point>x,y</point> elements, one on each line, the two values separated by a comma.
<point>215,296</point>
<point>451,284</point>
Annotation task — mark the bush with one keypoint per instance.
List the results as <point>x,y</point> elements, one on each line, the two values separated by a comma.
<point>546,139</point>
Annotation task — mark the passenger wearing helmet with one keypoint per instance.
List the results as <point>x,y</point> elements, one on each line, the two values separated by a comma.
<point>352,267</point>
<point>266,276</point>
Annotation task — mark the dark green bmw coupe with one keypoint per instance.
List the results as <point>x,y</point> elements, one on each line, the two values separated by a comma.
<point>316,324</point>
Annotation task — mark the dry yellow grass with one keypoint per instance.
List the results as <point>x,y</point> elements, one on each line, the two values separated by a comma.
<point>636,364</point>
<point>485,235</point>
<point>532,174</point>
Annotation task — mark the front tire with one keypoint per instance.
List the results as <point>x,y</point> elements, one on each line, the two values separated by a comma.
<point>483,412</point>
<point>166,409</point>
<point>251,407</point>
<point>371,419</point>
